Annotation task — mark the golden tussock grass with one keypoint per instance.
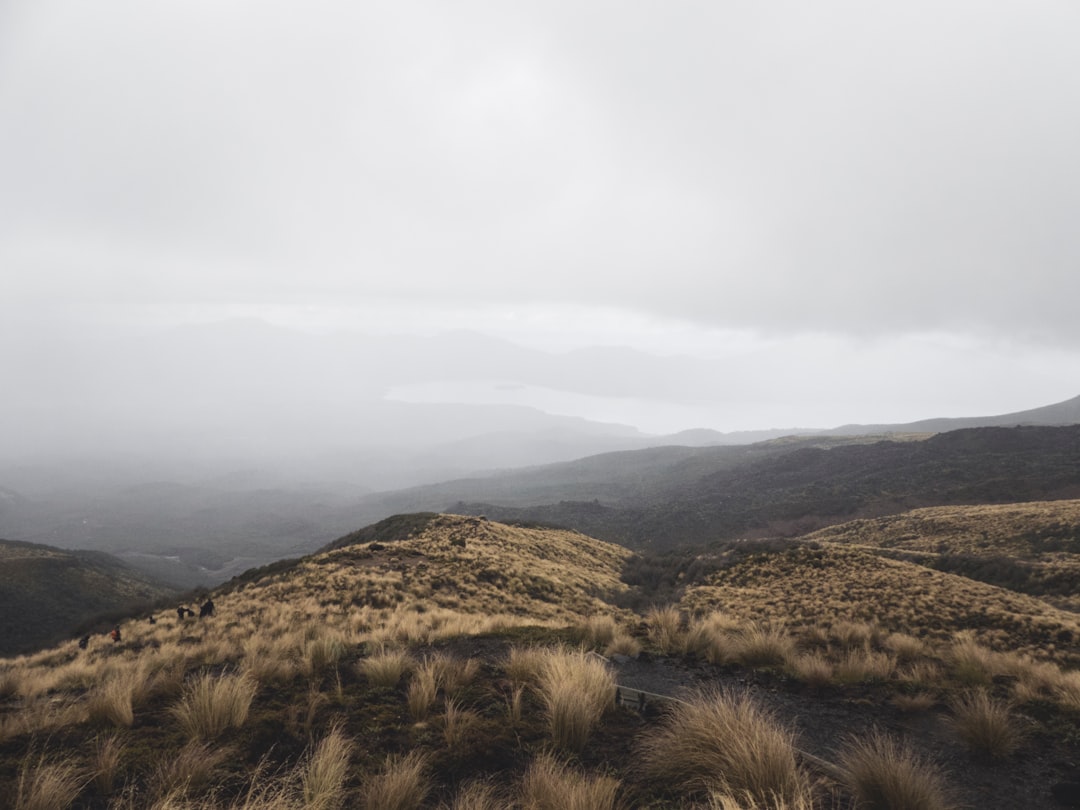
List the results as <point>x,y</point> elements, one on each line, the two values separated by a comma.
<point>576,688</point>
<point>45,785</point>
<point>885,774</point>
<point>725,743</point>
<point>812,668</point>
<point>386,668</point>
<point>190,770</point>
<point>211,704</point>
<point>523,665</point>
<point>665,628</point>
<point>105,763</point>
<point>912,703</point>
<point>324,771</point>
<point>456,722</point>
<point>985,724</point>
<point>477,796</point>
<point>423,689</point>
<point>402,784</point>
<point>551,784</point>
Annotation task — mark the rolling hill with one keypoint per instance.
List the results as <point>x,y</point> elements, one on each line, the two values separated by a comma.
<point>414,664</point>
<point>669,497</point>
<point>48,594</point>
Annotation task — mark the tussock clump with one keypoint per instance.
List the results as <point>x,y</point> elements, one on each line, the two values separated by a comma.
<point>386,668</point>
<point>906,648</point>
<point>725,743</point>
<point>861,664</point>
<point>423,689</point>
<point>917,702</point>
<point>597,631</point>
<point>524,665</point>
<point>402,784</point>
<point>986,725</point>
<point>106,763</point>
<point>970,663</point>
<point>113,702</point>
<point>212,704</point>
<point>477,796</point>
<point>884,774</point>
<point>764,645</point>
<point>550,784</point>
<point>47,785</point>
<point>812,668</point>
<point>325,770</point>
<point>577,688</point>
<point>665,629</point>
<point>190,770</point>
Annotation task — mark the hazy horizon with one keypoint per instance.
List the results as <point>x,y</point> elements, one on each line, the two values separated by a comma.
<point>283,229</point>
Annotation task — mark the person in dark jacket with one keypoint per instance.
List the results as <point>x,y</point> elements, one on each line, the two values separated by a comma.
<point>207,609</point>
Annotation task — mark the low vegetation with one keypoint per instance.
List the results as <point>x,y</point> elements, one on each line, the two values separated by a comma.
<point>459,664</point>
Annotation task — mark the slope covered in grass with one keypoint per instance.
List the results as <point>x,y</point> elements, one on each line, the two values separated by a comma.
<point>1032,548</point>
<point>47,594</point>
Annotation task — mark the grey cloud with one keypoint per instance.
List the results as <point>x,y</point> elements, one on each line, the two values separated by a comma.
<point>797,167</point>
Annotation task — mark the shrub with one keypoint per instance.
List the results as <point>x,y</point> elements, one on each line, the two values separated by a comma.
<point>986,725</point>
<point>210,705</point>
<point>724,742</point>
<point>550,784</point>
<point>883,774</point>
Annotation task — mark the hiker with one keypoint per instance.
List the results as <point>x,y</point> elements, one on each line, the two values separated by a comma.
<point>115,634</point>
<point>151,619</point>
<point>180,611</point>
<point>207,609</point>
<point>85,640</point>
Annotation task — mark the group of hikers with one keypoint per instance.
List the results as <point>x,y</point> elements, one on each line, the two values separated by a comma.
<point>182,612</point>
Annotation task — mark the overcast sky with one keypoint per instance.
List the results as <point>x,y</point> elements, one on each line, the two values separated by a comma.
<point>858,211</point>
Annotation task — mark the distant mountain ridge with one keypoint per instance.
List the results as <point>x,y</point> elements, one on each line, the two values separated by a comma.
<point>1060,413</point>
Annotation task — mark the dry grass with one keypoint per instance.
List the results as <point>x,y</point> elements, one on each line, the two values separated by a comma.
<point>550,784</point>
<point>986,725</point>
<point>524,665</point>
<point>386,668</point>
<point>665,629</point>
<point>44,785</point>
<point>212,704</point>
<point>577,688</point>
<point>917,702</point>
<point>190,770</point>
<point>325,770</point>
<point>477,796</point>
<point>811,668</point>
<point>725,743</point>
<point>423,689</point>
<point>456,722</point>
<point>764,645</point>
<point>402,784</point>
<point>884,774</point>
<point>106,763</point>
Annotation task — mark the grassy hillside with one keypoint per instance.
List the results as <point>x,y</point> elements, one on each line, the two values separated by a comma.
<point>446,662</point>
<point>671,497</point>
<point>48,594</point>
<point>1032,548</point>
